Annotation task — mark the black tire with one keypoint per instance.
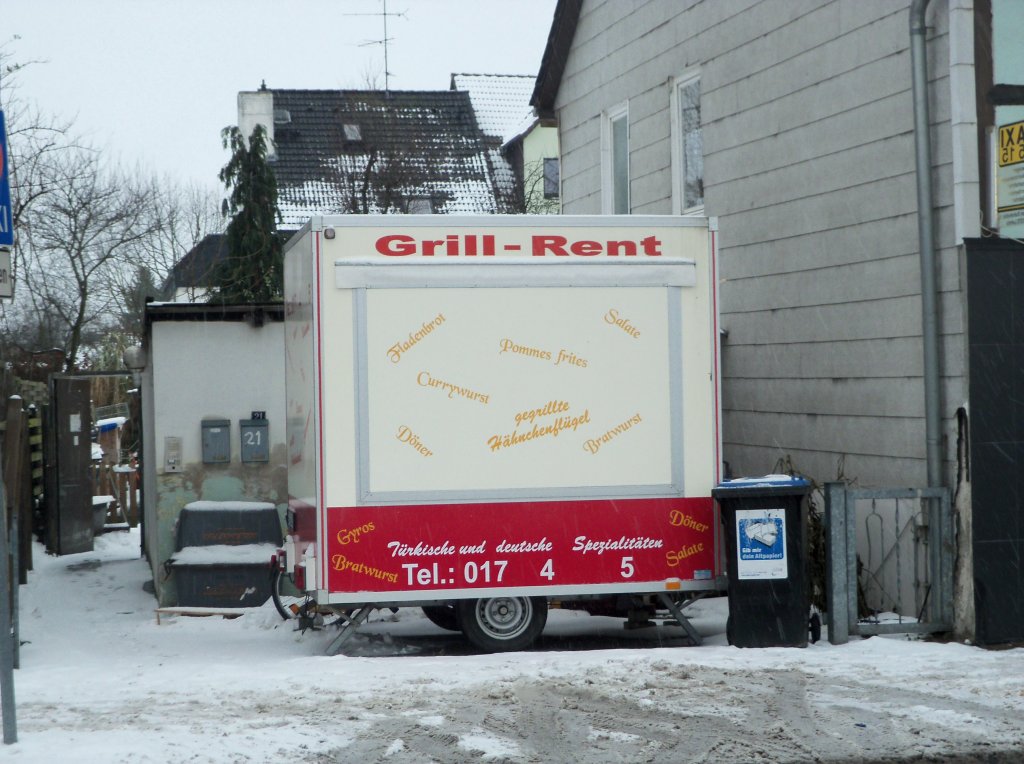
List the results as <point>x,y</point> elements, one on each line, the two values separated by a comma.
<point>443,616</point>
<point>298,606</point>
<point>287,607</point>
<point>502,624</point>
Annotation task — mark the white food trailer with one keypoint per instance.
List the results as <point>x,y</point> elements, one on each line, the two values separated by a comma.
<point>488,414</point>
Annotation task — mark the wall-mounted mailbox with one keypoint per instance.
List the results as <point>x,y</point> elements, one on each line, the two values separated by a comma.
<point>216,441</point>
<point>255,440</point>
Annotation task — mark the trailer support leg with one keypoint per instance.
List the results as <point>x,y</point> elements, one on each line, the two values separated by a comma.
<point>349,624</point>
<point>677,612</point>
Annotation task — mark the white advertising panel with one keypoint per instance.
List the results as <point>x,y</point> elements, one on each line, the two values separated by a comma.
<point>6,273</point>
<point>517,389</point>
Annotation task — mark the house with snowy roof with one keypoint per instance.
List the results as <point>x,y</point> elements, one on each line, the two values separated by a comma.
<point>510,126</point>
<point>374,151</point>
<point>473,149</point>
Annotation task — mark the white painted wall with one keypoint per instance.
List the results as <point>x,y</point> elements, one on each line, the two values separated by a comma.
<point>208,369</point>
<point>217,370</point>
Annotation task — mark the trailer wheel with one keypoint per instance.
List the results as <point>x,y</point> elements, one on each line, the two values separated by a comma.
<point>501,624</point>
<point>443,616</point>
<point>287,607</point>
<point>305,609</point>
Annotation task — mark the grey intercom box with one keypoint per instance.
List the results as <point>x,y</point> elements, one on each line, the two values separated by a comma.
<point>216,441</point>
<point>172,453</point>
<point>255,440</point>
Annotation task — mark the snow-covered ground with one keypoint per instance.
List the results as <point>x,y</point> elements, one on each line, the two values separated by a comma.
<point>100,681</point>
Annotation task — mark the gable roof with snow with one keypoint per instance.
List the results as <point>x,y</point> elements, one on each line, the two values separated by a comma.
<point>355,151</point>
<point>501,101</point>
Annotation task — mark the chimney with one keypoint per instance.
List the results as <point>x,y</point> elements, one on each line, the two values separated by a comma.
<point>257,108</point>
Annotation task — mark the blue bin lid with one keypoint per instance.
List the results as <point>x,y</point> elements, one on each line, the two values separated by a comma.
<point>111,423</point>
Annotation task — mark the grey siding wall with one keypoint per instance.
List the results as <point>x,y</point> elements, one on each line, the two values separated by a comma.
<point>809,166</point>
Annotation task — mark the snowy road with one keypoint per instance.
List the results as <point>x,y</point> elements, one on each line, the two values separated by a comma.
<point>101,682</point>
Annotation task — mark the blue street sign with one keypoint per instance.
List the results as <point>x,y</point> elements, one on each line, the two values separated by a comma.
<point>6,216</point>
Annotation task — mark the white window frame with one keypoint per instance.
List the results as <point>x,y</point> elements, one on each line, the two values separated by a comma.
<point>608,118</point>
<point>678,159</point>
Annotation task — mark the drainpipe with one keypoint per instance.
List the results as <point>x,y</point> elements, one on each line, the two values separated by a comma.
<point>926,242</point>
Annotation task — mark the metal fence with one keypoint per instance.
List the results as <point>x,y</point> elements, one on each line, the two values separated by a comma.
<point>890,560</point>
<point>114,409</point>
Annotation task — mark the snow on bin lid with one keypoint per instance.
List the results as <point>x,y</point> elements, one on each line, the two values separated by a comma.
<point>765,480</point>
<point>767,484</point>
<point>225,554</point>
<point>234,505</point>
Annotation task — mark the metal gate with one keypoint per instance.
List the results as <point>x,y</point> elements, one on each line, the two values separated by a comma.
<point>894,547</point>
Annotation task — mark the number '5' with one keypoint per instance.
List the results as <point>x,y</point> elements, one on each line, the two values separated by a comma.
<point>627,567</point>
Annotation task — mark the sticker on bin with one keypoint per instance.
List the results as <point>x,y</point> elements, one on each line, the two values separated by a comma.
<point>761,543</point>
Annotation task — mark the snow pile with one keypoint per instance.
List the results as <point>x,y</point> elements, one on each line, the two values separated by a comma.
<point>100,681</point>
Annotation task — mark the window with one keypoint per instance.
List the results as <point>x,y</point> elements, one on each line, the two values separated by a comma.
<point>419,205</point>
<point>615,151</point>
<point>687,146</point>
<point>551,177</point>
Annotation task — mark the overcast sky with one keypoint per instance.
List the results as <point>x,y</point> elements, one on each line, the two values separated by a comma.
<point>154,81</point>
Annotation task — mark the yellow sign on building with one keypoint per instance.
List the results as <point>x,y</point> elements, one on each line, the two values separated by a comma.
<point>1010,179</point>
<point>1011,144</point>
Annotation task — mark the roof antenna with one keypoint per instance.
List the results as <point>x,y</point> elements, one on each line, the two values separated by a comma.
<point>384,13</point>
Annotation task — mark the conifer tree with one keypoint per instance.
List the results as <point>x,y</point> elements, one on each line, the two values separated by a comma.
<point>252,270</point>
